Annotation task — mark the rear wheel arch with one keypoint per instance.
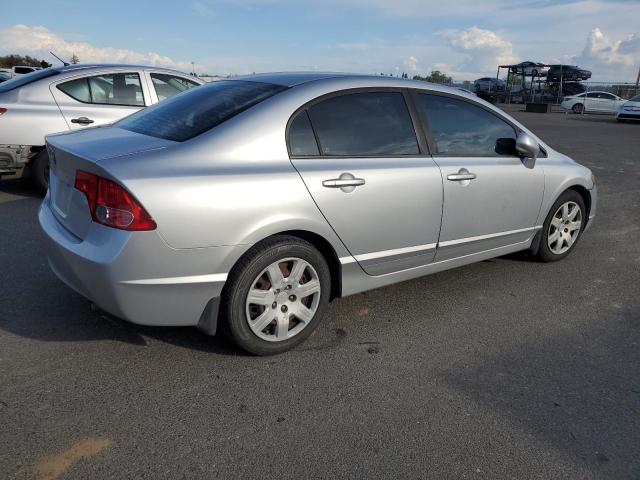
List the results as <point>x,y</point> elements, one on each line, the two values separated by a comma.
<point>317,241</point>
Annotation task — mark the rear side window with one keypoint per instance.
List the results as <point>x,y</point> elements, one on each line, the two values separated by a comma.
<point>302,141</point>
<point>198,110</point>
<point>169,85</point>
<point>461,128</point>
<point>109,89</point>
<point>364,124</point>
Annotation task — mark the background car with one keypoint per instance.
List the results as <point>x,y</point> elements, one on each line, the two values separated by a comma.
<point>629,110</point>
<point>4,76</point>
<point>567,72</point>
<point>72,98</point>
<point>593,102</point>
<point>489,85</point>
<point>532,68</point>
<point>254,201</point>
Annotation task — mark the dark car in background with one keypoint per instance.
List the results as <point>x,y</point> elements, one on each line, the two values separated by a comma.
<point>489,84</point>
<point>566,73</point>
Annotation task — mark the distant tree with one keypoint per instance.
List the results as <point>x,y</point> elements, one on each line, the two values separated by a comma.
<point>466,84</point>
<point>514,79</point>
<point>436,76</point>
<point>75,59</point>
<point>9,61</point>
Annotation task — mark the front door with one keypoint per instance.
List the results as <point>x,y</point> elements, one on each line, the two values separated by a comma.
<point>91,100</point>
<point>370,179</point>
<point>491,198</point>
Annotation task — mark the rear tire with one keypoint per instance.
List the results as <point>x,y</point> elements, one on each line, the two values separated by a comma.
<point>269,288</point>
<point>40,171</point>
<point>562,228</point>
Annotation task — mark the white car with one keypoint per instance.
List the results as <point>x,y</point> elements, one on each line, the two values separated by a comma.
<point>593,102</point>
<point>629,110</point>
<point>73,97</point>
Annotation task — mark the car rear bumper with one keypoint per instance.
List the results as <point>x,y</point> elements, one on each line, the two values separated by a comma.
<point>136,276</point>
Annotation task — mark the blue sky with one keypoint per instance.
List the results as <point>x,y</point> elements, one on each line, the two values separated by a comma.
<point>464,38</point>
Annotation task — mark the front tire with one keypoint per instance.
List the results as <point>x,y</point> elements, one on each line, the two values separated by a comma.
<point>563,227</point>
<point>578,108</point>
<point>276,295</point>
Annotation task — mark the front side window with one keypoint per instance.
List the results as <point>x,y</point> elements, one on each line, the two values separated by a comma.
<point>364,124</point>
<point>169,85</point>
<point>198,110</point>
<point>462,128</point>
<point>109,89</point>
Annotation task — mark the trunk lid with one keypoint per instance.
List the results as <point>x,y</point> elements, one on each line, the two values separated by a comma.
<point>87,150</point>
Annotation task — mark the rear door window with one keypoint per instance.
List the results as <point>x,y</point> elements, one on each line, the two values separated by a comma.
<point>369,124</point>
<point>167,85</point>
<point>108,89</point>
<point>460,128</point>
<point>302,141</point>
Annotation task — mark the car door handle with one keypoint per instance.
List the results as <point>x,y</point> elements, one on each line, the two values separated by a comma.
<point>461,176</point>
<point>343,182</point>
<point>82,120</point>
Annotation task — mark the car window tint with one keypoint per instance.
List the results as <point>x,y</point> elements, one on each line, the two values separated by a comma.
<point>199,109</point>
<point>77,89</point>
<point>461,128</point>
<point>593,95</point>
<point>169,85</point>
<point>117,89</point>
<point>302,141</point>
<point>607,96</point>
<point>364,124</point>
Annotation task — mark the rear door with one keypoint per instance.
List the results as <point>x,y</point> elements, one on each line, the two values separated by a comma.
<point>98,99</point>
<point>491,198</point>
<point>360,158</point>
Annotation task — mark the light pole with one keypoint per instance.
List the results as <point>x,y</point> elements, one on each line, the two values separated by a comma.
<point>193,69</point>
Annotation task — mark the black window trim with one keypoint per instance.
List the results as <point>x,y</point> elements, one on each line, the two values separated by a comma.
<point>86,79</point>
<point>414,92</point>
<point>423,149</point>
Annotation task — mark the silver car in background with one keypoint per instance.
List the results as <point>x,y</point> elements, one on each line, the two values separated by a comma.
<point>249,204</point>
<point>73,97</point>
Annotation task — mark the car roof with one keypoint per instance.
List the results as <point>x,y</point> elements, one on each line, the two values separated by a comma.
<point>292,79</point>
<point>96,66</point>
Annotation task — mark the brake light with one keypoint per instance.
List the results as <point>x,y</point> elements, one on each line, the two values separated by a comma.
<point>111,205</point>
<point>2,110</point>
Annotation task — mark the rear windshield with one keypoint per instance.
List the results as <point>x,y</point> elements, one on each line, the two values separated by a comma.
<point>635,99</point>
<point>197,110</point>
<point>22,80</point>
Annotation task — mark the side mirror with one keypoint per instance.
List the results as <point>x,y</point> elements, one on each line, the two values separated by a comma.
<point>527,146</point>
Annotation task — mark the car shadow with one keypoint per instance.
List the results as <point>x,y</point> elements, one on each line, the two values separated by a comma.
<point>36,305</point>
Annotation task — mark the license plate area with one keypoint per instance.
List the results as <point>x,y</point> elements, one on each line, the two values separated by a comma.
<point>60,194</point>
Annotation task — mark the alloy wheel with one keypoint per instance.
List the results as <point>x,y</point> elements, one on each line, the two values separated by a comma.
<point>564,227</point>
<point>283,299</point>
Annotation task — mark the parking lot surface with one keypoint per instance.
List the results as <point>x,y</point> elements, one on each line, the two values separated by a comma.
<point>508,368</point>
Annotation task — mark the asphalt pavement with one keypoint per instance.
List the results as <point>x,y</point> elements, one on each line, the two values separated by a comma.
<point>508,368</point>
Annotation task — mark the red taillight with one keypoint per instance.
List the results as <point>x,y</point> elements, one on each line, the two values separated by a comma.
<point>112,205</point>
<point>2,110</point>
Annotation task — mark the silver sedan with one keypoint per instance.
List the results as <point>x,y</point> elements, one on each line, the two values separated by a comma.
<point>249,204</point>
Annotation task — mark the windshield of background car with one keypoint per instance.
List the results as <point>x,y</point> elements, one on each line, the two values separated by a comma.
<point>198,110</point>
<point>28,78</point>
<point>635,99</point>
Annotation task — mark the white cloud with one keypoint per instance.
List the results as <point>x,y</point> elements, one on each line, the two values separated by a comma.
<point>609,59</point>
<point>38,41</point>
<point>482,50</point>
<point>411,63</point>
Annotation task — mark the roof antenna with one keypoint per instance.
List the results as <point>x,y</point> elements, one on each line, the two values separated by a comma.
<point>66,64</point>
